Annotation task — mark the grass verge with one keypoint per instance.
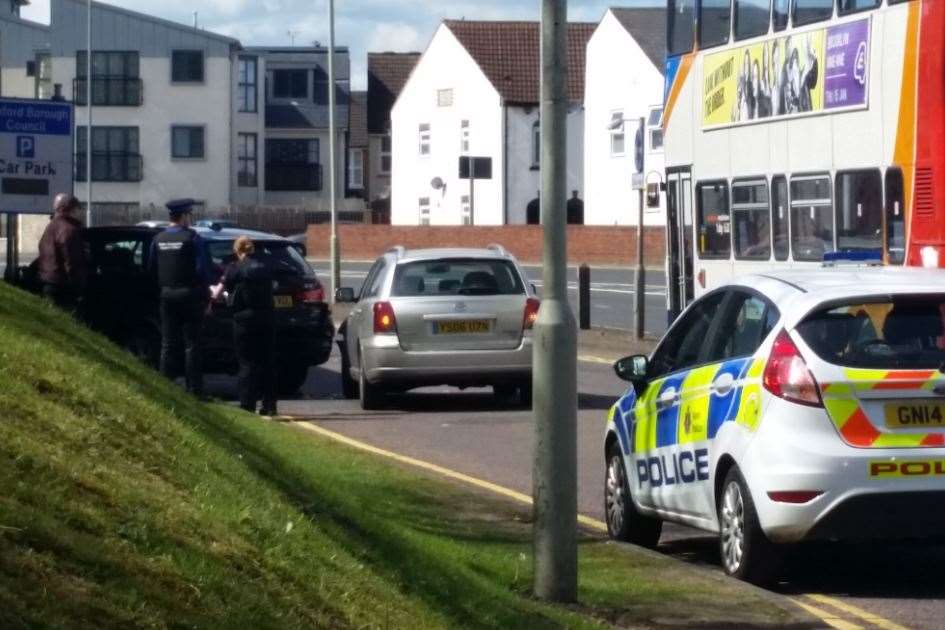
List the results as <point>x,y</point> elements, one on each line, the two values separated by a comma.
<point>124,502</point>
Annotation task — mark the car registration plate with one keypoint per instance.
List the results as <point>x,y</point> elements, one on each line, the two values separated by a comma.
<point>282,301</point>
<point>461,327</point>
<point>912,414</point>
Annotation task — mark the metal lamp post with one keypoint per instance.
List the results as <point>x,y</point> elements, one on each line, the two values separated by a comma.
<point>332,155</point>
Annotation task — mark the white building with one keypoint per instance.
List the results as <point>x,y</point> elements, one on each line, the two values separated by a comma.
<point>475,93</point>
<point>624,84</point>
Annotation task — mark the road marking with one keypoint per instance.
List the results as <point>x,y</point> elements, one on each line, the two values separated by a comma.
<point>584,358</point>
<point>828,618</point>
<point>850,609</point>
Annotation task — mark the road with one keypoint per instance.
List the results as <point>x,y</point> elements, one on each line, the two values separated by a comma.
<point>612,293</point>
<point>474,435</point>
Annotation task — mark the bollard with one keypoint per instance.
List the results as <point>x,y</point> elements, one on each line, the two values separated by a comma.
<point>584,296</point>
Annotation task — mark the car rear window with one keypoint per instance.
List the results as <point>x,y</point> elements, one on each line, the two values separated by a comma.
<point>893,333</point>
<point>457,277</point>
<point>282,256</point>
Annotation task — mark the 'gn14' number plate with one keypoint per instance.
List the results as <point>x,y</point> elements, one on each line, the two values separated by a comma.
<point>282,301</point>
<point>463,327</point>
<point>915,414</point>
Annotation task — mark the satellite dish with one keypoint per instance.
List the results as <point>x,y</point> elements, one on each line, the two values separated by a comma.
<point>437,183</point>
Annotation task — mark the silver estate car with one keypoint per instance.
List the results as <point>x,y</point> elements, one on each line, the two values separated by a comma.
<point>458,317</point>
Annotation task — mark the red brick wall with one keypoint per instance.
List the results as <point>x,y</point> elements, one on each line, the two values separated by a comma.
<point>591,244</point>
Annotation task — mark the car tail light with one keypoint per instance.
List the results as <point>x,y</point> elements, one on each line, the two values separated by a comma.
<point>311,296</point>
<point>531,312</point>
<point>384,320</point>
<point>787,376</point>
<point>794,496</point>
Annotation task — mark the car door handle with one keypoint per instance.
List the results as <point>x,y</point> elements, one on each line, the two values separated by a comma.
<point>667,399</point>
<point>723,385</point>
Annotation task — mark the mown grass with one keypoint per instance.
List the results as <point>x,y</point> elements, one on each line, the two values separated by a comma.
<point>124,502</point>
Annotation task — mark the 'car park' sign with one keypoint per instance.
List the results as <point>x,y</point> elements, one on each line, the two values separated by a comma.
<point>36,154</point>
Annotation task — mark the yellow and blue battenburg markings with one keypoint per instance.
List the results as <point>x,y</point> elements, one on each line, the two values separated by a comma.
<point>700,414</point>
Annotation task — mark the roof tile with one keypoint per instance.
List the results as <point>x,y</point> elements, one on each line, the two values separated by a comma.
<point>387,74</point>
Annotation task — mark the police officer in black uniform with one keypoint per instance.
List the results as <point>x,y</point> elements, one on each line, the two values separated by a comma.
<point>184,273</point>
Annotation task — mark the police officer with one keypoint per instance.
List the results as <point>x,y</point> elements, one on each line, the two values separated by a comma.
<point>184,273</point>
<point>249,284</point>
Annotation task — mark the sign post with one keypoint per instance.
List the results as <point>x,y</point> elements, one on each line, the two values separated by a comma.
<point>473,168</point>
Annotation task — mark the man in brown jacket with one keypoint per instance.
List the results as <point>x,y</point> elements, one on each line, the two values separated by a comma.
<point>62,265</point>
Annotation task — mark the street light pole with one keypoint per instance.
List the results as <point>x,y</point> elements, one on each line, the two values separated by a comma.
<point>88,125</point>
<point>332,155</point>
<point>554,484</point>
<point>639,307</point>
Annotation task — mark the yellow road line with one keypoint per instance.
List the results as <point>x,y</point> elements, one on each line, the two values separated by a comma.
<point>593,359</point>
<point>850,609</point>
<point>830,619</point>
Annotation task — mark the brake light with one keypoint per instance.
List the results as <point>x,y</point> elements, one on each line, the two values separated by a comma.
<point>311,296</point>
<point>787,376</point>
<point>531,312</point>
<point>384,320</point>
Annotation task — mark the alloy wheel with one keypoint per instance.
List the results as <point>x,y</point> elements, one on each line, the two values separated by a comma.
<point>616,497</point>
<point>733,528</point>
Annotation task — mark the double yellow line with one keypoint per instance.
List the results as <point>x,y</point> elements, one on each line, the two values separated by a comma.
<point>812,603</point>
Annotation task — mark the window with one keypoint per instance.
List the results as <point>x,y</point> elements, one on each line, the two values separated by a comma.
<point>654,126</point>
<point>846,7</point>
<point>457,276</point>
<point>425,139</point>
<point>187,142</point>
<point>536,145</point>
<point>780,10</point>
<point>618,137</point>
<point>115,81</point>
<point>293,165</point>
<point>745,324</point>
<point>187,66</point>
<point>467,210</point>
<point>681,24</point>
<point>683,349</point>
<point>116,154</point>
<point>249,67</point>
<point>808,11</point>
<point>356,169</point>
<point>444,98</point>
<point>424,210</point>
<point>811,218</point>
<point>374,280</point>
<point>464,137</point>
<point>248,162</point>
<point>751,18</point>
<point>43,80</point>
<point>385,155</point>
<point>751,215</point>
<point>779,217</point>
<point>860,210</point>
<point>714,26</point>
<point>290,83</point>
<point>895,218</point>
<point>715,228</point>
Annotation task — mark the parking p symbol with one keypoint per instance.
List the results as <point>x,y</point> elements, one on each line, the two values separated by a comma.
<point>25,147</point>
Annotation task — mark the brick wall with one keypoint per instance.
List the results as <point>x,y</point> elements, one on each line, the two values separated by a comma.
<point>591,244</point>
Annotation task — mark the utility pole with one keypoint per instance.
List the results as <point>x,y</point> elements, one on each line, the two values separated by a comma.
<point>332,155</point>
<point>554,478</point>
<point>88,126</point>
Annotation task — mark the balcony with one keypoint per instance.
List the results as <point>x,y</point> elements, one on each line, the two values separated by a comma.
<point>293,177</point>
<point>111,167</point>
<point>116,91</point>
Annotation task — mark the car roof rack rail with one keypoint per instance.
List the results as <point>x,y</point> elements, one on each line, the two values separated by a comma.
<point>501,251</point>
<point>399,250</point>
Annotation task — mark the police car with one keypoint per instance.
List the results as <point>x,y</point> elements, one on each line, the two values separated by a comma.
<point>787,407</point>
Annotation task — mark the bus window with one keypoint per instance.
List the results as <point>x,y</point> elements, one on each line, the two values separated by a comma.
<point>811,218</point>
<point>714,22</point>
<point>808,11</point>
<point>860,210</point>
<point>846,7</point>
<point>751,218</point>
<point>779,14</point>
<point>681,25</point>
<point>751,18</point>
<point>779,217</point>
<point>895,218</point>
<point>714,221</point>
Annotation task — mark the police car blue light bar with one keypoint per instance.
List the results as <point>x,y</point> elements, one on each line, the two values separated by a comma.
<point>853,257</point>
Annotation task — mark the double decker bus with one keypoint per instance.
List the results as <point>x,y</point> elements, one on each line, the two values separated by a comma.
<point>797,128</point>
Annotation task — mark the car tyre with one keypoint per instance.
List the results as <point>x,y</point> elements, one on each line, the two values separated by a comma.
<point>624,521</point>
<point>371,396</point>
<point>291,378</point>
<point>349,386</point>
<point>746,552</point>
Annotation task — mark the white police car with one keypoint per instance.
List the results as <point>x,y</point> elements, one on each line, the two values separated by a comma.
<point>786,407</point>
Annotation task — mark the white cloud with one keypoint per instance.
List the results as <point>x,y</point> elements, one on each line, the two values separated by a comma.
<point>395,37</point>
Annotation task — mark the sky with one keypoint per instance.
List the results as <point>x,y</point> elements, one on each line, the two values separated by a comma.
<point>362,25</point>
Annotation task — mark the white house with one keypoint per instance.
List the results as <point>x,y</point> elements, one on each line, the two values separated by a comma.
<point>624,84</point>
<point>475,93</point>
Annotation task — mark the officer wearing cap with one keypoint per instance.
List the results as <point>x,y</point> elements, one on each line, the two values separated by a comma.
<point>184,273</point>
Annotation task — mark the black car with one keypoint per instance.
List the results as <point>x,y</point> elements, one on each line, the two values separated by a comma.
<point>122,300</point>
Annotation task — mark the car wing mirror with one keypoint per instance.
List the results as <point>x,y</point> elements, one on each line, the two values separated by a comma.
<point>345,295</point>
<point>633,369</point>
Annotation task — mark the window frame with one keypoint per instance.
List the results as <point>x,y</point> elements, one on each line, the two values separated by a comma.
<point>246,160</point>
<point>618,132</point>
<point>131,136</point>
<point>466,208</point>
<point>655,128</point>
<point>729,309</point>
<point>245,87</point>
<point>465,143</point>
<point>671,26</point>
<point>836,202</point>
<point>203,66</point>
<point>841,12</point>
<point>743,181</point>
<point>388,154</point>
<point>423,208</point>
<point>777,27</point>
<point>291,94</point>
<point>894,170</point>
<point>444,98</point>
<point>833,210</point>
<point>356,167</point>
<point>735,35</point>
<point>700,22</point>
<point>313,148</point>
<point>132,97</point>
<point>796,22</point>
<point>425,136</point>
<point>678,325</point>
<point>699,215</point>
<point>191,129</point>
<point>786,220</point>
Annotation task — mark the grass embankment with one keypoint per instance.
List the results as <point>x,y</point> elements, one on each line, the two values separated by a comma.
<point>125,503</point>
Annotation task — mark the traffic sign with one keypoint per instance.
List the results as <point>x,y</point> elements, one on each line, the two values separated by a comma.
<point>36,154</point>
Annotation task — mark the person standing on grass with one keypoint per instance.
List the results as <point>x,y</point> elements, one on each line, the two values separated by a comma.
<point>184,272</point>
<point>249,283</point>
<point>62,264</point>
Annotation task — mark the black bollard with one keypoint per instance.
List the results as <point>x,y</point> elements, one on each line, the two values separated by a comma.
<point>584,296</point>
